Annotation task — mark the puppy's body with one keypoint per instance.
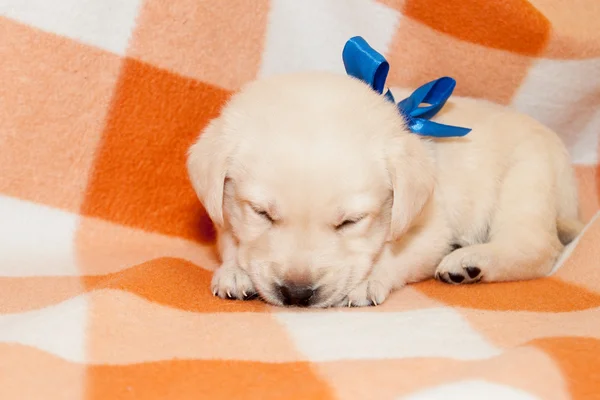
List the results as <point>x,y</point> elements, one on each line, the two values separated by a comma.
<point>503,207</point>
<point>322,197</point>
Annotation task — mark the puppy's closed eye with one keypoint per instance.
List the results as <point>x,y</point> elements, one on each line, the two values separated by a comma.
<point>349,222</point>
<point>262,213</point>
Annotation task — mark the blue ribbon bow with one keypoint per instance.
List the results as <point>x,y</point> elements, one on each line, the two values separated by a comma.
<point>363,62</point>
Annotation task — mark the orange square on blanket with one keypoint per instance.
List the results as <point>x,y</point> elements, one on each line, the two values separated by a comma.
<point>54,98</point>
<point>219,44</point>
<point>140,178</point>
<point>206,379</point>
<point>512,25</point>
<point>419,54</point>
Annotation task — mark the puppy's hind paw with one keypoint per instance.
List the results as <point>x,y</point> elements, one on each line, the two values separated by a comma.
<point>232,283</point>
<point>466,275</point>
<point>368,293</point>
<point>463,266</point>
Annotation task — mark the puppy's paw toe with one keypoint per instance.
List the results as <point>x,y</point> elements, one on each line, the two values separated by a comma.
<point>467,275</point>
<point>473,272</point>
<point>461,267</point>
<point>366,294</point>
<point>232,283</point>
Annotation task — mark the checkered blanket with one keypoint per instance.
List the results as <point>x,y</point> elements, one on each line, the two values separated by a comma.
<point>106,255</point>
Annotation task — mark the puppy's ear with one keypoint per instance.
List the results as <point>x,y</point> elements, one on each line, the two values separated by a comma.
<point>412,176</point>
<point>207,164</point>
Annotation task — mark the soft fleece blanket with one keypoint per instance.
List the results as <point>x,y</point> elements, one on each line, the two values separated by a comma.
<point>106,255</point>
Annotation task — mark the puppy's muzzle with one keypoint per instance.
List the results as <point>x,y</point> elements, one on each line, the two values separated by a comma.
<point>294,294</point>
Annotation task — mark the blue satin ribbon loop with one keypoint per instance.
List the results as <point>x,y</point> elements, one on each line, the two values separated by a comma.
<point>363,62</point>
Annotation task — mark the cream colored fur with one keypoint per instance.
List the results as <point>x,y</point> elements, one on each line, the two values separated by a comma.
<point>311,150</point>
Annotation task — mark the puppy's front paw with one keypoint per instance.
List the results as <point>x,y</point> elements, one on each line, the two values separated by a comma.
<point>232,282</point>
<point>367,293</point>
<point>463,266</point>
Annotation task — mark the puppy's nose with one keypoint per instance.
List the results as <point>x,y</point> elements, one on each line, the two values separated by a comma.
<point>296,295</point>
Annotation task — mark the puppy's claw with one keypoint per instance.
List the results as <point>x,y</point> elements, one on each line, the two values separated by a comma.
<point>251,296</point>
<point>231,282</point>
<point>367,293</point>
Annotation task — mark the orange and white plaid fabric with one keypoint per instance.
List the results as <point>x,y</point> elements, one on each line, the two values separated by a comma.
<point>106,255</point>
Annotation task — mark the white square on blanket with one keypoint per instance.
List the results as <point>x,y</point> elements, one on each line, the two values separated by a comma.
<point>106,24</point>
<point>565,96</point>
<point>470,389</point>
<point>310,34</point>
<point>36,240</point>
<point>356,335</point>
<point>59,329</point>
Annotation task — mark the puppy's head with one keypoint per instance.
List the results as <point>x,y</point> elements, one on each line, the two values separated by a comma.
<point>312,173</point>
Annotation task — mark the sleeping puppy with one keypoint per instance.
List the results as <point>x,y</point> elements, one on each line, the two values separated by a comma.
<point>322,197</point>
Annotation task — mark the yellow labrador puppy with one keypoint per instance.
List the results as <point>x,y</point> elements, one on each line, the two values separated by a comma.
<point>322,197</point>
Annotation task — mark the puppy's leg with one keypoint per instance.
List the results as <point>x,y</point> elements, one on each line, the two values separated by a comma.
<point>523,240</point>
<point>229,280</point>
<point>411,259</point>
